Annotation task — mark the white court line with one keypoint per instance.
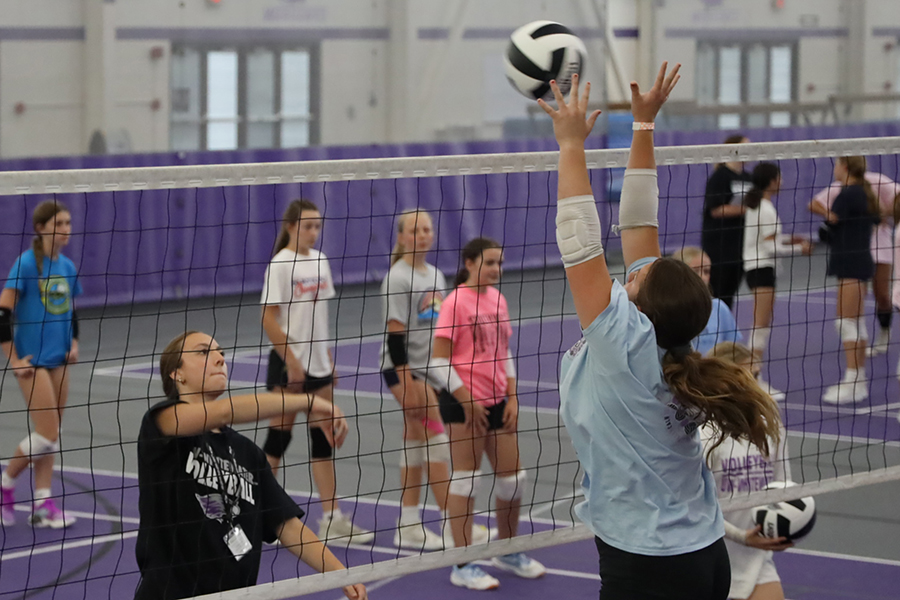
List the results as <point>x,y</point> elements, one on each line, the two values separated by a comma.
<point>68,545</point>
<point>850,557</point>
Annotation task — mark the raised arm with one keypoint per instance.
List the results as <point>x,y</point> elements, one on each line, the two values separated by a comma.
<point>578,230</point>
<point>639,206</point>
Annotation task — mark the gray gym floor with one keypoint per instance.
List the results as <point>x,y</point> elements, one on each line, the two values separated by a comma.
<point>105,410</point>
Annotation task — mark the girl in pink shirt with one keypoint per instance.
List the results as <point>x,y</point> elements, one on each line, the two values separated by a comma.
<point>480,406</point>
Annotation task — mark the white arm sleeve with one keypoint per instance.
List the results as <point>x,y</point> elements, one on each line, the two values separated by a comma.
<point>639,206</point>
<point>444,374</point>
<point>510,365</point>
<point>735,533</point>
<point>578,231</point>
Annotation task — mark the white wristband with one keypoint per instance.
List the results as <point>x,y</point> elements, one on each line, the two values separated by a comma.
<point>637,126</point>
<point>578,231</point>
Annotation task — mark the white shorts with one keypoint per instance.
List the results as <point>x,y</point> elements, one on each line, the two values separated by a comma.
<point>743,581</point>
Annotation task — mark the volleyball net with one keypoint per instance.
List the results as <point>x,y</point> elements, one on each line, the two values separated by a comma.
<point>161,250</point>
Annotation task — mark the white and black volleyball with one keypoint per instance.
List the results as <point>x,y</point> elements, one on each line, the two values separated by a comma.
<point>542,51</point>
<point>792,519</point>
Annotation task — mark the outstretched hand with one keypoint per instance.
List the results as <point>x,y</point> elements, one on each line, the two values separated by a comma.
<point>569,123</point>
<point>644,107</point>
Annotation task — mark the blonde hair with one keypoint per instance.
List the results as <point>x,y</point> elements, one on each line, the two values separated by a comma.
<point>687,254</point>
<point>398,251</point>
<point>678,304</point>
<point>733,352</point>
<point>291,215</point>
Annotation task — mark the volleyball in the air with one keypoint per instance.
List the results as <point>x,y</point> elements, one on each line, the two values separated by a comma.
<point>540,52</point>
<point>792,519</point>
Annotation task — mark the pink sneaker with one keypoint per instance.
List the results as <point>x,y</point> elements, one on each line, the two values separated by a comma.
<point>46,514</point>
<point>7,512</point>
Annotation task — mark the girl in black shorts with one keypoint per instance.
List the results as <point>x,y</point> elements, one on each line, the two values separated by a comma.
<point>851,220</point>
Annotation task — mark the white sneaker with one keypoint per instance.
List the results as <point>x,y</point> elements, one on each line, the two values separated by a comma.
<point>776,394</point>
<point>47,514</point>
<point>342,529</point>
<point>473,578</point>
<point>417,537</point>
<point>480,535</point>
<point>519,564</point>
<point>846,392</point>
<point>880,346</point>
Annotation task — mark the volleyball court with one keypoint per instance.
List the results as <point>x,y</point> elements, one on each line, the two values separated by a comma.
<point>163,250</point>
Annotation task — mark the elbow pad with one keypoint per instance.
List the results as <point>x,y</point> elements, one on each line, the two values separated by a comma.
<point>578,231</point>
<point>6,332</point>
<point>443,372</point>
<point>639,206</point>
<point>396,343</point>
<point>510,365</point>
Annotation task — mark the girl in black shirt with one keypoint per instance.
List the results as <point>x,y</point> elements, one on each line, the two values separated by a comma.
<point>851,219</point>
<point>723,226</point>
<point>208,498</point>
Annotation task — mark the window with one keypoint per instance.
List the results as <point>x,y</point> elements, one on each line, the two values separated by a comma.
<point>741,74</point>
<point>254,97</point>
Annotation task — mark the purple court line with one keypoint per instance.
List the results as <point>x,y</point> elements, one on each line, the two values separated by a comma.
<point>805,574</point>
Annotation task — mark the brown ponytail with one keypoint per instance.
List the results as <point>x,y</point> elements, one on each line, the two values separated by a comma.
<point>678,304</point>
<point>472,251</point>
<point>43,213</point>
<point>169,361</point>
<point>763,176</point>
<point>856,168</point>
<point>291,215</point>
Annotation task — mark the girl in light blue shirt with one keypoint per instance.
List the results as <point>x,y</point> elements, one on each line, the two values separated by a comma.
<point>633,392</point>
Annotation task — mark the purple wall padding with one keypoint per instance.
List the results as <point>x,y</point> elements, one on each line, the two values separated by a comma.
<point>157,245</point>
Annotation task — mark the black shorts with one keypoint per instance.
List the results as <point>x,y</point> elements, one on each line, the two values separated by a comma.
<point>764,277</point>
<point>277,377</point>
<point>701,575</point>
<point>452,411</point>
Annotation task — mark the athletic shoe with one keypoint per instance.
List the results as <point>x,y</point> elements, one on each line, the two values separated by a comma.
<point>46,514</point>
<point>473,578</point>
<point>519,564</point>
<point>342,529</point>
<point>846,392</point>
<point>417,537</point>
<point>7,502</point>
<point>480,535</point>
<point>880,346</point>
<point>776,394</point>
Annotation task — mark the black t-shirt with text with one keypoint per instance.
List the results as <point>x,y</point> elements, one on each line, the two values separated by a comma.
<point>724,237</point>
<point>181,551</point>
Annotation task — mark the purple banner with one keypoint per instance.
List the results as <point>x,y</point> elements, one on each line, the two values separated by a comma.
<point>157,245</point>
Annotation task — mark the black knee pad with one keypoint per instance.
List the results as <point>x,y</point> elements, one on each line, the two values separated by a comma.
<point>319,446</point>
<point>277,441</point>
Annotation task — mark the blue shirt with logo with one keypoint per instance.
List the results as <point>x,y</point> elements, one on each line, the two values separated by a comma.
<point>720,328</point>
<point>44,308</point>
<point>647,487</point>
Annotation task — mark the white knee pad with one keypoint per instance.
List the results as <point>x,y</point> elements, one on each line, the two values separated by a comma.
<point>851,330</point>
<point>413,453</point>
<point>37,445</point>
<point>759,339</point>
<point>439,448</point>
<point>464,483</point>
<point>510,487</point>
<point>861,331</point>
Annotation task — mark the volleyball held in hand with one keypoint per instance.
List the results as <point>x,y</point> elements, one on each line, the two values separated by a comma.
<point>540,52</point>
<point>793,519</point>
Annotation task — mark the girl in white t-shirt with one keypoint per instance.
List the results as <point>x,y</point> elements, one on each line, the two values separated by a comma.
<point>295,318</point>
<point>763,244</point>
<point>740,469</point>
